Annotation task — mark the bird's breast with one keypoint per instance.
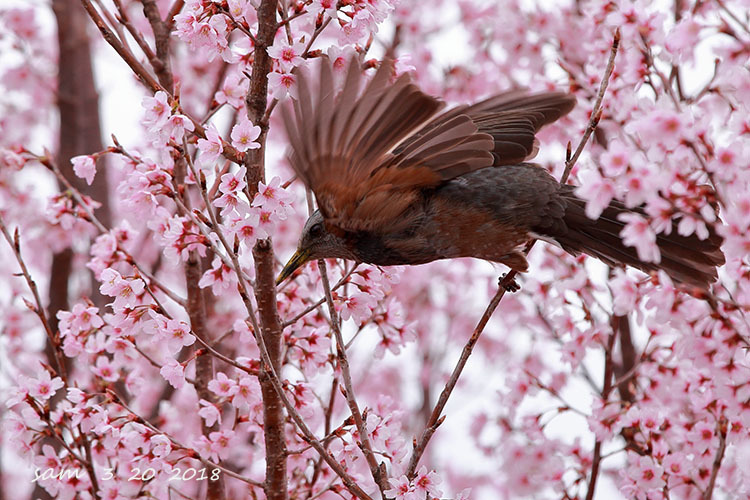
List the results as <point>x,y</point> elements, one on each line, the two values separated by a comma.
<point>384,249</point>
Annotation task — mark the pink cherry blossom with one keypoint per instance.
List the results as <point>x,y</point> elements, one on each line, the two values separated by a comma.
<point>233,91</point>
<point>173,372</point>
<point>646,473</point>
<point>209,412</point>
<point>248,392</point>
<point>162,446</point>
<point>106,369</point>
<point>233,182</point>
<point>597,191</point>
<point>245,224</point>
<point>44,386</point>
<point>220,277</point>
<point>271,196</point>
<point>282,85</point>
<point>223,386</point>
<point>221,443</point>
<point>426,483</point>
<point>84,167</point>
<point>401,489</point>
<point>244,134</point>
<point>288,56</point>
<point>177,126</point>
<point>211,147</point>
<point>326,6</point>
<point>157,110</point>
<point>637,233</point>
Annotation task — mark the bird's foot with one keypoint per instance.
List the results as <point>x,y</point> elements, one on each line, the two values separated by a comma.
<point>509,285</point>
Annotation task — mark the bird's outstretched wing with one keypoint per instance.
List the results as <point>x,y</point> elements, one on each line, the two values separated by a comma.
<point>512,119</point>
<point>367,154</point>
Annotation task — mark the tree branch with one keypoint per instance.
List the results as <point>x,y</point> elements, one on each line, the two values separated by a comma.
<point>351,399</point>
<point>596,112</point>
<point>270,334</point>
<point>505,283</point>
<point>721,427</point>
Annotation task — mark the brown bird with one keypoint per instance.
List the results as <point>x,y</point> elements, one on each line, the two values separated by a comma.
<point>398,182</point>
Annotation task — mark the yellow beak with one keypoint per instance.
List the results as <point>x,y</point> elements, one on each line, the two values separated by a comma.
<point>299,258</point>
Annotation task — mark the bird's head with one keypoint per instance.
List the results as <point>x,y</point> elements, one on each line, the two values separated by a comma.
<point>316,242</point>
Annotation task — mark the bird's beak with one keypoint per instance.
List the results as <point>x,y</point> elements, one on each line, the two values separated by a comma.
<point>298,259</point>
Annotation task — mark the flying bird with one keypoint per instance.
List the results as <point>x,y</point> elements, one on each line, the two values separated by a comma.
<point>400,181</point>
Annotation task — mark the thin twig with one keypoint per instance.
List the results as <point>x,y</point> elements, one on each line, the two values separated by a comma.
<point>596,111</point>
<point>351,398</point>
<point>745,27</point>
<point>505,283</point>
<point>135,65</point>
<point>54,340</point>
<point>124,19</point>
<point>608,371</point>
<point>721,427</point>
<point>173,11</point>
<point>435,417</point>
<point>344,279</point>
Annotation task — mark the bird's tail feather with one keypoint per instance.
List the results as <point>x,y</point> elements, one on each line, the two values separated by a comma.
<point>686,259</point>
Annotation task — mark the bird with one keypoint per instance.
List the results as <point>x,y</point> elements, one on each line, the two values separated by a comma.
<point>400,180</point>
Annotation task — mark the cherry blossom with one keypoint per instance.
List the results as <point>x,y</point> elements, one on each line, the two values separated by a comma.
<point>174,373</point>
<point>282,85</point>
<point>84,167</point>
<point>244,135</point>
<point>288,56</point>
<point>233,90</point>
<point>637,233</point>
<point>211,147</point>
<point>223,386</point>
<point>44,386</point>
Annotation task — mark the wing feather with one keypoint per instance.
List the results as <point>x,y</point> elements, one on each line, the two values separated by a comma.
<point>367,155</point>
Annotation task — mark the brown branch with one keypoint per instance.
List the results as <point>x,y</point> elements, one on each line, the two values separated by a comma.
<point>273,407</point>
<point>608,372</point>
<point>596,111</point>
<point>721,427</point>
<point>196,309</point>
<point>621,326</point>
<point>124,19</point>
<point>745,27</point>
<point>275,381</point>
<point>270,334</point>
<point>505,283</point>
<point>173,11</point>
<point>328,415</point>
<point>435,417</point>
<point>351,399</point>
<point>161,63</point>
<point>135,65</point>
<point>39,310</point>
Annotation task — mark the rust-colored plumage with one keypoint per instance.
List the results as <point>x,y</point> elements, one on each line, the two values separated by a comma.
<point>397,181</point>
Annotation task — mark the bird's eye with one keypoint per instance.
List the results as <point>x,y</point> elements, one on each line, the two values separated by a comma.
<point>316,229</point>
